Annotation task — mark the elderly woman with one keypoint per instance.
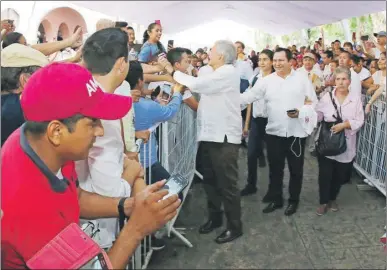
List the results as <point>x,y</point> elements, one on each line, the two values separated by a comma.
<point>334,170</point>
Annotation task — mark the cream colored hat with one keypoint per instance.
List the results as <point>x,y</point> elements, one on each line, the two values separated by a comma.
<point>18,55</point>
<point>310,55</point>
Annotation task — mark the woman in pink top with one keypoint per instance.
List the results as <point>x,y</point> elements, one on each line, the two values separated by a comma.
<point>334,170</point>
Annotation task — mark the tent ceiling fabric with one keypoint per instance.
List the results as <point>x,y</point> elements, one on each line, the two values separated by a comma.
<point>274,17</point>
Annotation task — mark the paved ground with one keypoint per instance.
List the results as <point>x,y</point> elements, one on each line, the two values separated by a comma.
<point>348,239</point>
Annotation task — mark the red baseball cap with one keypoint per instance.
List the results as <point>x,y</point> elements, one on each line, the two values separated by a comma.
<point>59,90</point>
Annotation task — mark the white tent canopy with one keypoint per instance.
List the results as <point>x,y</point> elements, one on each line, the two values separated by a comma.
<point>274,17</point>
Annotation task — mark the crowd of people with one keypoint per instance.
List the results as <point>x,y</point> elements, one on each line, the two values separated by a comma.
<point>73,109</point>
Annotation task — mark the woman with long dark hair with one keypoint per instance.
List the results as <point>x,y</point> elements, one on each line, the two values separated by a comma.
<point>152,46</point>
<point>258,126</point>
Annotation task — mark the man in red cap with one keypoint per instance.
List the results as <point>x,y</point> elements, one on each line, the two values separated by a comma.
<point>63,105</point>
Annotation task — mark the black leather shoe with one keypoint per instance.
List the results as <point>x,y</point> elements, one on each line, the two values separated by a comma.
<point>228,236</point>
<point>272,207</point>
<point>248,190</point>
<point>209,226</point>
<point>291,209</point>
<point>262,161</point>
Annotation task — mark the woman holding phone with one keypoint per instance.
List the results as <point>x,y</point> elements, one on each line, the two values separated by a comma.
<point>152,46</point>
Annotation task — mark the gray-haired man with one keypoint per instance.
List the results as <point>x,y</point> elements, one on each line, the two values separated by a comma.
<point>219,131</point>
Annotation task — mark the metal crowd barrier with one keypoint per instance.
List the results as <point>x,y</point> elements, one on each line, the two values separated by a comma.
<point>177,148</point>
<point>370,158</point>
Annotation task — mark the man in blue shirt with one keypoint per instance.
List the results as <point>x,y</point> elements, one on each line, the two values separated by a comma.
<point>148,113</point>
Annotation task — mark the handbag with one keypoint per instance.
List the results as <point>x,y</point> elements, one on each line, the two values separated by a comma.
<point>329,143</point>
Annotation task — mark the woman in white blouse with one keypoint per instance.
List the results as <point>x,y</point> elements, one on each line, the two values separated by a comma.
<point>334,170</point>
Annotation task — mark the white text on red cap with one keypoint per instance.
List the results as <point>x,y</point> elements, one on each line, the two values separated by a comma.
<point>92,87</point>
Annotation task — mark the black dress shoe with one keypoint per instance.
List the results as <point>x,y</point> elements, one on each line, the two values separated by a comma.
<point>272,207</point>
<point>209,226</point>
<point>262,161</point>
<point>291,209</point>
<point>248,190</point>
<point>228,236</point>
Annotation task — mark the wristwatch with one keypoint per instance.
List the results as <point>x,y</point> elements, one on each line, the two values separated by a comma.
<point>121,212</point>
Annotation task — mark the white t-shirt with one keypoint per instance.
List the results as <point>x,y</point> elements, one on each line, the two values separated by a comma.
<point>377,52</point>
<point>363,74</point>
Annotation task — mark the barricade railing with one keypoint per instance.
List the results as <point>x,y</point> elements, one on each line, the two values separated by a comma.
<point>177,148</point>
<point>370,159</point>
<point>178,155</point>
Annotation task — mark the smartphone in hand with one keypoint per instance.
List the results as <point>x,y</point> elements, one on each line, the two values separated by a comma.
<point>170,43</point>
<point>175,184</point>
<point>364,38</point>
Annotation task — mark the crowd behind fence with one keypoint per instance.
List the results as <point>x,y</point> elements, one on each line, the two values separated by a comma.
<point>371,146</point>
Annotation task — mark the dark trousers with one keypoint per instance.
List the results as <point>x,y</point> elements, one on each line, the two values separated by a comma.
<point>199,165</point>
<point>279,149</point>
<point>220,180</point>
<point>255,148</point>
<point>332,175</point>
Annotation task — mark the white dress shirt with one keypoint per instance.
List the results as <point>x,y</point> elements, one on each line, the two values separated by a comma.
<point>219,113</point>
<point>245,69</point>
<point>282,95</point>
<point>259,106</point>
<point>101,172</point>
<point>317,72</point>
